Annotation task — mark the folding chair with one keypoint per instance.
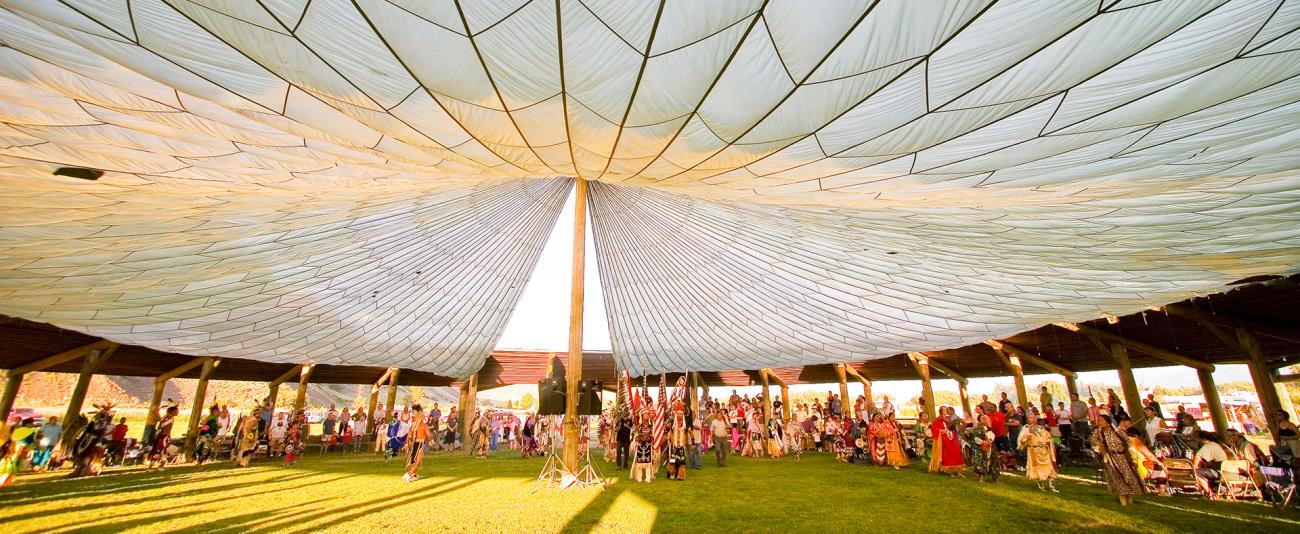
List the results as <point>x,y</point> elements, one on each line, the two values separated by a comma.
<point>1235,481</point>
<point>1279,485</point>
<point>1182,476</point>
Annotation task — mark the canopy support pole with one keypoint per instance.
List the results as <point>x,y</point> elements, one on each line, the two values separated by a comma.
<point>89,366</point>
<point>392,390</point>
<point>273,393</point>
<point>1262,377</point>
<point>304,375</point>
<point>767,401</point>
<point>196,407</point>
<point>573,371</point>
<point>846,407</point>
<point>14,377</point>
<point>1211,393</point>
<point>468,397</point>
<point>922,364</point>
<point>1071,386</point>
<point>1132,399</point>
<point>1012,361</point>
<point>374,399</point>
<point>866,388</point>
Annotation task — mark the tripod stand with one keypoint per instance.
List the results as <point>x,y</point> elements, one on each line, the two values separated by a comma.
<point>557,475</point>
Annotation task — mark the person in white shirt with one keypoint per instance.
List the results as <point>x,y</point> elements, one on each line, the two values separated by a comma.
<point>1064,422</point>
<point>358,431</point>
<point>276,433</point>
<point>1208,461</point>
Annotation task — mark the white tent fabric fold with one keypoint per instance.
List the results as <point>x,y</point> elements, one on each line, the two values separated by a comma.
<point>1115,152</point>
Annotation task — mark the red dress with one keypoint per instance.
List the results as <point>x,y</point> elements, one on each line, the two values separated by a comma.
<point>952,457</point>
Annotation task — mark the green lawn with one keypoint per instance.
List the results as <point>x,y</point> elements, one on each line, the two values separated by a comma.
<point>360,492</point>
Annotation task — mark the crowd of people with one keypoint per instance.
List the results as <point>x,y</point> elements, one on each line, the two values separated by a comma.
<point>1135,454</point>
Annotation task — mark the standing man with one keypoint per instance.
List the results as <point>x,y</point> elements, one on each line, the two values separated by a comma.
<point>435,424</point>
<point>623,438</point>
<point>1079,420</point>
<point>1003,403</point>
<point>1155,406</point>
<point>988,406</point>
<point>1045,400</point>
<point>268,410</point>
<point>721,433</point>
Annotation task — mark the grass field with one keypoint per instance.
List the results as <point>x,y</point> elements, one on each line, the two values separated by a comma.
<point>360,492</point>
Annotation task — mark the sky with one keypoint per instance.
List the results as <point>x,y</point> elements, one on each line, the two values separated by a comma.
<point>541,322</point>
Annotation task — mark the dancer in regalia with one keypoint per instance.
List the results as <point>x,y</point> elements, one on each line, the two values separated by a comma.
<point>159,455</point>
<point>643,459</point>
<point>206,440</point>
<point>984,457</point>
<point>676,462</point>
<point>91,446</point>
<point>1121,476</point>
<point>877,433</point>
<point>893,438</point>
<point>1040,453</point>
<point>246,437</point>
<point>418,436</point>
<point>293,438</point>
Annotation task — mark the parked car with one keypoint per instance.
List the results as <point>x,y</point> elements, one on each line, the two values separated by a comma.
<point>16,416</point>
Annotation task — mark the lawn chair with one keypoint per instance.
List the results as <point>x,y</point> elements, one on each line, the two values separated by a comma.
<point>1235,480</point>
<point>1181,475</point>
<point>1279,485</point>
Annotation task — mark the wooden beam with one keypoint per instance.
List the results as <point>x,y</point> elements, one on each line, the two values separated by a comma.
<point>1031,358</point>
<point>1159,352</point>
<point>273,387</point>
<point>1283,394</point>
<point>293,372</point>
<point>160,385</point>
<point>1212,402</point>
<point>922,364</point>
<point>1257,327</point>
<point>767,402</point>
<point>1263,379</point>
<point>1286,378</point>
<point>1071,387</point>
<point>374,400</point>
<point>573,368</point>
<point>1012,362</point>
<point>62,357</point>
<point>944,369</point>
<point>965,398</point>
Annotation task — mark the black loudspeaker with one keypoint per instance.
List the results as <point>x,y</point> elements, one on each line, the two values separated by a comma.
<point>550,396</point>
<point>589,397</point>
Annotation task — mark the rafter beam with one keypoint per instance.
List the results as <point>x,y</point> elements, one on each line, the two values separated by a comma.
<point>62,357</point>
<point>1257,327</point>
<point>944,369</point>
<point>1159,352</point>
<point>291,373</point>
<point>1029,357</point>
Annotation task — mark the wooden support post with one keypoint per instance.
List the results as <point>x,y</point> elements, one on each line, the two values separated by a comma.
<point>469,397</point>
<point>374,400</point>
<point>965,397</point>
<point>1132,399</point>
<point>1026,356</point>
<point>846,406</point>
<point>1283,395</point>
<point>1071,387</point>
<point>160,385</point>
<point>14,377</point>
<point>392,390</point>
<point>12,383</point>
<point>89,366</point>
<point>922,364</point>
<point>866,388</point>
<point>304,375</point>
<point>274,386</point>
<point>196,408</point>
<point>1012,361</point>
<point>573,371</point>
<point>1211,394</point>
<point>691,391</point>
<point>767,401</point>
<point>785,402</point>
<point>1263,379</point>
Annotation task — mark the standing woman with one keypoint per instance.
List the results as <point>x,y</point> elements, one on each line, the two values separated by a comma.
<point>1040,454</point>
<point>894,454</point>
<point>921,431</point>
<point>984,459</point>
<point>877,433</point>
<point>952,461</point>
<point>1121,477</point>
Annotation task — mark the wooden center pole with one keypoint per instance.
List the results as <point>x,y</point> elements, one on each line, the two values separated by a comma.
<point>573,371</point>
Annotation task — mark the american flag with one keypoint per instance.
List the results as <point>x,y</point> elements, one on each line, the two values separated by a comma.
<point>661,411</point>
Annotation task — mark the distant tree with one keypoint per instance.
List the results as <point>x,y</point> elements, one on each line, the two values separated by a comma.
<point>526,401</point>
<point>414,395</point>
